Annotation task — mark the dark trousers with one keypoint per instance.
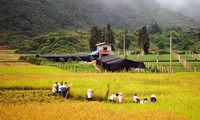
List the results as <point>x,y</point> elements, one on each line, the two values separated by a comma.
<point>89,99</point>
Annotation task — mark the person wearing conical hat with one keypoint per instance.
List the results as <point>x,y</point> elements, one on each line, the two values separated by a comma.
<point>89,94</point>
<point>153,98</point>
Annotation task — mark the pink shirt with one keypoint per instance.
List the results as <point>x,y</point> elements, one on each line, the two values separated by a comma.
<point>135,98</point>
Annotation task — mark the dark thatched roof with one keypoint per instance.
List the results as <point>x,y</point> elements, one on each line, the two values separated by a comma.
<point>66,57</point>
<point>112,63</point>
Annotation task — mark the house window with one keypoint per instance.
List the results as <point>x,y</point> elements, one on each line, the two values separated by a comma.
<point>104,48</point>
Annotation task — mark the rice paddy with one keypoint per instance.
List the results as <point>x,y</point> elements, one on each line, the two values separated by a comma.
<point>25,92</point>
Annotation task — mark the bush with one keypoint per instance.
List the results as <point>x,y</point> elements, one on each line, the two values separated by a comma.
<point>70,60</point>
<point>37,61</point>
<point>153,68</point>
<point>78,59</point>
<point>163,52</point>
<point>62,60</point>
<point>23,58</point>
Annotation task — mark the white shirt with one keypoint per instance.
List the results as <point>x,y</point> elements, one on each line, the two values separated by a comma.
<point>54,88</point>
<point>59,88</point>
<point>142,101</point>
<point>135,98</point>
<point>89,94</point>
<point>113,97</point>
<point>120,98</point>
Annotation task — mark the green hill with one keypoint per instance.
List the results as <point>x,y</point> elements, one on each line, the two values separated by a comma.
<point>62,41</point>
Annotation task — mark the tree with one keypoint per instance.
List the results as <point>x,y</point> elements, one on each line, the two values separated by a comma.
<point>93,38</point>
<point>104,35</point>
<point>97,36</point>
<point>199,33</point>
<point>186,45</point>
<point>110,35</point>
<point>154,28</point>
<point>127,41</point>
<point>143,40</point>
<point>161,45</point>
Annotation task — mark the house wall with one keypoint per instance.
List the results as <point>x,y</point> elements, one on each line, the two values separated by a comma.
<point>2,47</point>
<point>102,46</point>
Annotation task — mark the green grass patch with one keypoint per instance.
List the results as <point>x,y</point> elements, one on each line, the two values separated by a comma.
<point>80,67</point>
<point>31,70</point>
<point>132,57</point>
<point>195,63</point>
<point>186,57</point>
<point>154,57</point>
<point>168,63</point>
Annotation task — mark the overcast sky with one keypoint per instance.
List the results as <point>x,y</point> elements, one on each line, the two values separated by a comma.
<point>187,7</point>
<point>174,4</point>
<point>179,4</point>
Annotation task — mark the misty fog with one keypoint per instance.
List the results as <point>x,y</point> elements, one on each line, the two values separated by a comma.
<point>190,8</point>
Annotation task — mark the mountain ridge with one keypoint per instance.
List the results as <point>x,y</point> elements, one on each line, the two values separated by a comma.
<point>23,19</point>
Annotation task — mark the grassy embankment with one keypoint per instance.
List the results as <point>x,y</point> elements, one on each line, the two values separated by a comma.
<point>164,59</point>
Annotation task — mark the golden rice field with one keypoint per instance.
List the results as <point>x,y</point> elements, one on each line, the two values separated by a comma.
<point>75,110</point>
<point>9,55</point>
<point>24,93</point>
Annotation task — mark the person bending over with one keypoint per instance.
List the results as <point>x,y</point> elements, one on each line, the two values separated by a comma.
<point>113,97</point>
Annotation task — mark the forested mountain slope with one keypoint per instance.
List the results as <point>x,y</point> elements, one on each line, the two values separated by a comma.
<point>24,19</point>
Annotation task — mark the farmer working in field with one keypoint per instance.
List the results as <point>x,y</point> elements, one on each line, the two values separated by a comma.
<point>67,90</point>
<point>55,89</point>
<point>120,98</point>
<point>153,98</point>
<point>89,94</point>
<point>136,99</point>
<point>63,89</point>
<point>113,97</point>
<point>59,87</point>
<point>143,101</point>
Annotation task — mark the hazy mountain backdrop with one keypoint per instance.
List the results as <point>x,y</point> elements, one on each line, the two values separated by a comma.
<point>189,8</point>
<point>22,19</point>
